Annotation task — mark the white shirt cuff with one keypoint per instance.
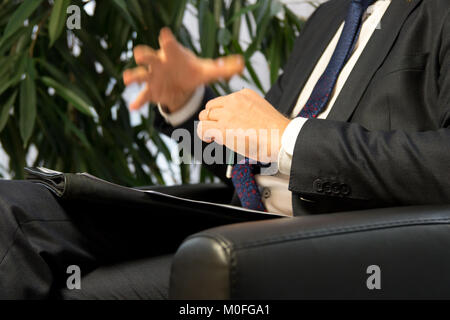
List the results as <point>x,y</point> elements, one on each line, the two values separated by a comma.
<point>288,141</point>
<point>187,111</point>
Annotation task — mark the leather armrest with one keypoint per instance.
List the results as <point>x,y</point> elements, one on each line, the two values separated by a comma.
<point>320,257</point>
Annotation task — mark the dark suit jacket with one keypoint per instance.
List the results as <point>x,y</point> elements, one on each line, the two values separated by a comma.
<point>386,141</point>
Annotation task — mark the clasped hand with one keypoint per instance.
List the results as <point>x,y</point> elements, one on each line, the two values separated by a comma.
<point>245,123</point>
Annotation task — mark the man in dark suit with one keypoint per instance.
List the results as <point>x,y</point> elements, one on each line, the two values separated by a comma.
<point>382,137</point>
<point>362,113</point>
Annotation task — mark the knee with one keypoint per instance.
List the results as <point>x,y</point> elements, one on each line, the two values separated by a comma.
<point>24,201</point>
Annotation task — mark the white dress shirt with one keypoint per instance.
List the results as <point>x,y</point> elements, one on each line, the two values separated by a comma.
<point>276,196</point>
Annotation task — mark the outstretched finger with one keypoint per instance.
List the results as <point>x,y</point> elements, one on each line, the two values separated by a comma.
<point>166,37</point>
<point>136,75</point>
<point>145,55</point>
<point>223,68</point>
<point>143,98</point>
<point>170,47</point>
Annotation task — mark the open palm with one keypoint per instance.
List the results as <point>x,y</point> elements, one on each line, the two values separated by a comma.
<point>173,72</point>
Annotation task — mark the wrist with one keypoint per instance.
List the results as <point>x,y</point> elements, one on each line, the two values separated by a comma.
<point>275,142</point>
<point>288,142</point>
<point>178,102</point>
<point>282,129</point>
<point>290,134</point>
<point>186,111</point>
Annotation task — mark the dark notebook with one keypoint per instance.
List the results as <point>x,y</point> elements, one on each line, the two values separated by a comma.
<point>85,187</point>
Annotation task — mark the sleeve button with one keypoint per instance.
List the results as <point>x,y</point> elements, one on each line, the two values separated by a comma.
<point>345,189</point>
<point>318,185</point>
<point>336,189</point>
<point>327,187</point>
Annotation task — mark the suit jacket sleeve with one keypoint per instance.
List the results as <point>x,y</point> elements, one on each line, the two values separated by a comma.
<point>389,168</point>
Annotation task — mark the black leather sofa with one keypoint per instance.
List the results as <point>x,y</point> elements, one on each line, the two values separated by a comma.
<point>320,257</point>
<point>323,256</point>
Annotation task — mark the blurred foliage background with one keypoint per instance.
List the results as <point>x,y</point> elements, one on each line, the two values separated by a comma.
<point>61,90</point>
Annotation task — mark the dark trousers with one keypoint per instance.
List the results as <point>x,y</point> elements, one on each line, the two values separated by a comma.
<point>122,251</point>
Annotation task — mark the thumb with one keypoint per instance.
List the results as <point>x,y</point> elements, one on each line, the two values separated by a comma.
<point>208,132</point>
<point>223,68</point>
<point>143,98</point>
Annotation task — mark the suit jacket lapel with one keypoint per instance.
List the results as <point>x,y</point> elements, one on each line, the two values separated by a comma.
<point>371,59</point>
<point>316,43</point>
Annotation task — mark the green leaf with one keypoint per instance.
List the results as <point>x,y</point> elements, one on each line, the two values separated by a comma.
<point>73,129</point>
<point>27,105</point>
<point>291,17</point>
<point>92,45</point>
<point>69,96</point>
<point>218,4</point>
<point>11,143</point>
<point>122,5</point>
<point>136,9</point>
<point>5,86</point>
<point>275,7</point>
<point>261,32</point>
<point>224,37</point>
<point>4,114</point>
<point>7,79</point>
<point>249,66</point>
<point>20,15</point>
<point>243,11</point>
<point>20,68</point>
<point>237,6</point>
<point>23,42</point>
<point>207,32</point>
<point>5,70</point>
<point>262,11</point>
<point>61,78</point>
<point>17,40</point>
<point>179,15</point>
<point>275,59</point>
<point>57,20</point>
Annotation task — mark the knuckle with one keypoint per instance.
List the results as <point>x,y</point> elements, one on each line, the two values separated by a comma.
<point>235,96</point>
<point>213,102</point>
<point>138,49</point>
<point>199,129</point>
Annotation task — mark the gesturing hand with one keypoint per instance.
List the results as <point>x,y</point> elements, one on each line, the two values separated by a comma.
<point>244,122</point>
<point>173,73</point>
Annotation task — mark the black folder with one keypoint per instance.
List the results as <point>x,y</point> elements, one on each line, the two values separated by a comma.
<point>69,187</point>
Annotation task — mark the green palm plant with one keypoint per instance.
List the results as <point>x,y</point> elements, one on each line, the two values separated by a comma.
<point>61,90</point>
